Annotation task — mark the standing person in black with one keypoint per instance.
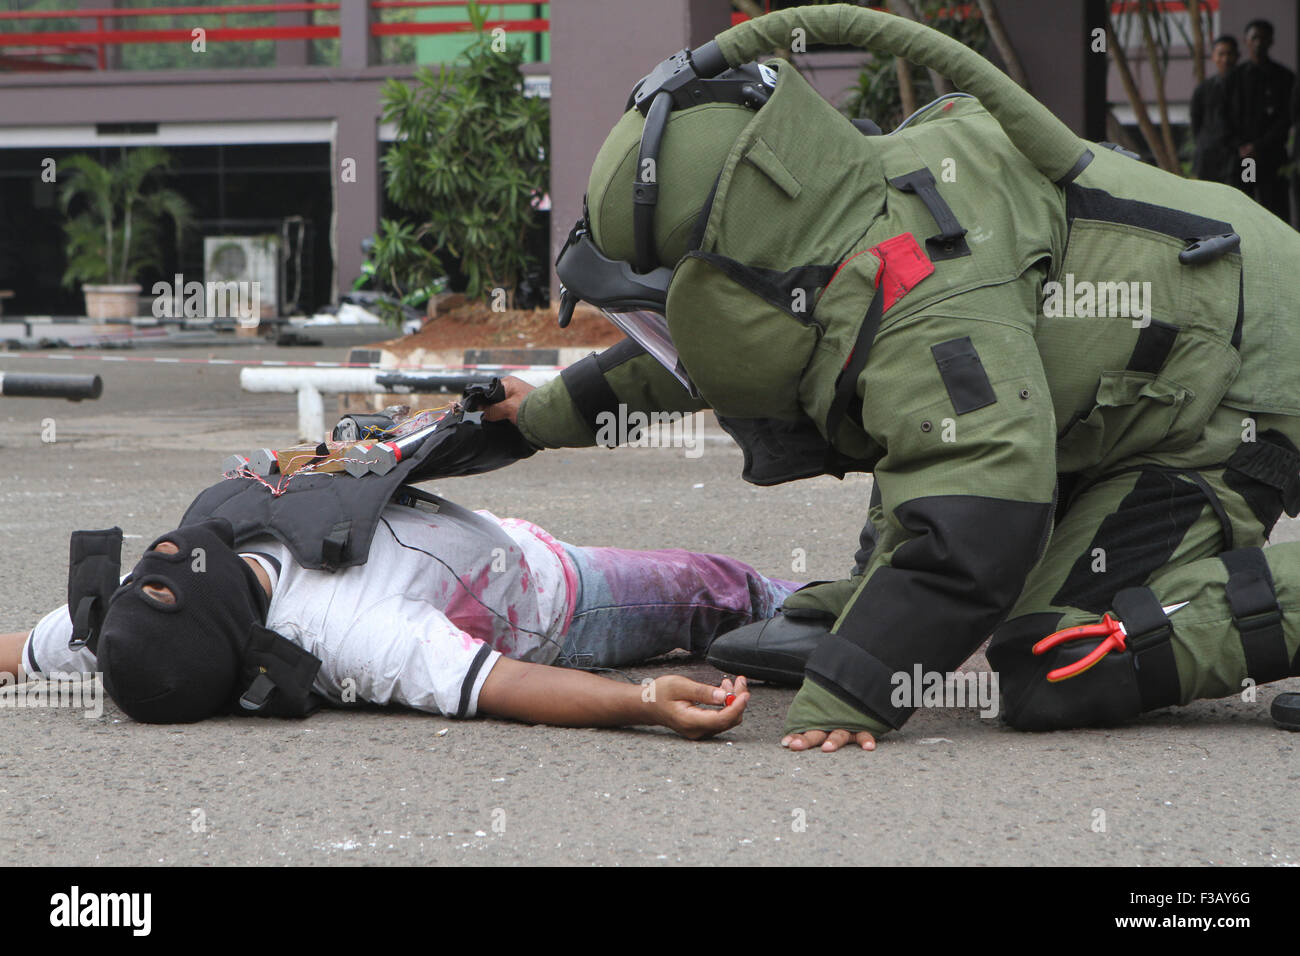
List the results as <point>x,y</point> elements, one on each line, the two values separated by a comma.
<point>1259,119</point>
<point>1216,154</point>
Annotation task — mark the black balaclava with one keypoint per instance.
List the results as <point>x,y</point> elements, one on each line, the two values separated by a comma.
<point>178,663</point>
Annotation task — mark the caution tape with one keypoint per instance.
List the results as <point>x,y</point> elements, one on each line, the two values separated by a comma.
<point>165,360</point>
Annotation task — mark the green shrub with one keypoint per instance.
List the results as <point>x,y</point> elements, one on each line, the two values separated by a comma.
<point>469,162</point>
<point>876,96</point>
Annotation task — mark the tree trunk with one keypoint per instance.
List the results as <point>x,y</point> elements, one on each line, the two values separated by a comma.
<point>904,8</point>
<point>108,243</point>
<point>1145,13</point>
<point>126,244</point>
<point>1149,133</point>
<point>1117,134</point>
<point>1005,48</point>
<point>1198,40</point>
<point>906,92</point>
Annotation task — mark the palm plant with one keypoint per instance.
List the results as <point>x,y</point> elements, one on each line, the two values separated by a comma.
<point>118,231</point>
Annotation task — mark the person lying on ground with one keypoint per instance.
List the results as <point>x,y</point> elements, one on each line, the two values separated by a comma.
<point>454,612</point>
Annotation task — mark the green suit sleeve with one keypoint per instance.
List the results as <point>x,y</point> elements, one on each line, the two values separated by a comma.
<point>551,416</point>
<point>967,488</point>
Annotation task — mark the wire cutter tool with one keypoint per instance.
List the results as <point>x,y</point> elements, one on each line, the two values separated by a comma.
<point>1112,633</point>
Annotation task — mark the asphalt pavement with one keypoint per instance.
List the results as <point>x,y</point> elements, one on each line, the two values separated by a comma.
<point>1212,783</point>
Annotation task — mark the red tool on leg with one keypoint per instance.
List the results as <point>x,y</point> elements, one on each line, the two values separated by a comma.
<point>1110,630</point>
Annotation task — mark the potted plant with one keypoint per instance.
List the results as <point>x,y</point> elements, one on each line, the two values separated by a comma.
<point>118,231</point>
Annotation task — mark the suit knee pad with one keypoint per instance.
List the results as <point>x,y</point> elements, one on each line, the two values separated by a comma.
<point>1104,695</point>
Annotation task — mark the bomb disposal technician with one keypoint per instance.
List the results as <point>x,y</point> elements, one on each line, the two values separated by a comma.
<point>1075,377</point>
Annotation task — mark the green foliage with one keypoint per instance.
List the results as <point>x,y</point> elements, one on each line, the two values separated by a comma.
<point>469,160</point>
<point>876,96</point>
<point>118,231</point>
<point>401,265</point>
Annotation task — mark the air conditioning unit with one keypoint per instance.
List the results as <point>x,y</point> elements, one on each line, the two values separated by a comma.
<point>241,277</point>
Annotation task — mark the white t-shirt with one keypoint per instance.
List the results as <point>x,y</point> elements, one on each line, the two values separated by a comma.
<point>400,628</point>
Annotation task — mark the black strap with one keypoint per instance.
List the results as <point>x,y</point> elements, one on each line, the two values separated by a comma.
<point>1081,164</point>
<point>587,386</point>
<point>1117,148</point>
<point>85,624</point>
<point>94,572</point>
<point>258,694</point>
<point>1241,310</point>
<point>645,192</point>
<point>1149,633</point>
<point>1155,342</point>
<point>776,288</point>
<point>1082,202</point>
<point>702,220</point>
<point>950,243</point>
<point>282,676</point>
<point>334,546</point>
<point>1256,613</point>
<point>846,386</point>
<point>858,678</point>
<point>1212,499</point>
<point>1275,464</point>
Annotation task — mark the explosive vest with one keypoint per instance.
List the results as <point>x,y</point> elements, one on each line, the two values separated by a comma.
<point>327,522</point>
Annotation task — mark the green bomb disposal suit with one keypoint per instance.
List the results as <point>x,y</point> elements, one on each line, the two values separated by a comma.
<point>1075,377</point>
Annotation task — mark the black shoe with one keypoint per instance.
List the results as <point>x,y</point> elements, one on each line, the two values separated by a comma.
<point>774,650</point>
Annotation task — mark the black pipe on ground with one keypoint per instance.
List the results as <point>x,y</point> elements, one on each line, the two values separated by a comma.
<point>72,387</point>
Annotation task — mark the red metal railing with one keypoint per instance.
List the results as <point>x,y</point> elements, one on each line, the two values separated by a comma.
<point>62,42</point>
<point>423,29</point>
<point>964,10</point>
<point>537,25</point>
<point>67,41</point>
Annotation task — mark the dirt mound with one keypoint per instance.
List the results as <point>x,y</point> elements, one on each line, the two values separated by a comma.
<point>475,325</point>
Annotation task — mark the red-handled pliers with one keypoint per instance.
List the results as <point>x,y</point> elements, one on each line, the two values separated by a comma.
<point>1110,630</point>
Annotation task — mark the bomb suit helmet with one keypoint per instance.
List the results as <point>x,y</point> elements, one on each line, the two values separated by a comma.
<point>686,123</point>
<point>678,129</point>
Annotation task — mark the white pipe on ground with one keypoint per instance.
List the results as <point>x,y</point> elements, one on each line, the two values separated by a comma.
<point>290,379</point>
<point>310,383</point>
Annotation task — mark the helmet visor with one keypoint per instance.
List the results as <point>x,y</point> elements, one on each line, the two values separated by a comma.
<point>650,330</point>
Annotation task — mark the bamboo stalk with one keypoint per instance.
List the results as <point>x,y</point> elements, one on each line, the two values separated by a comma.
<point>1134,97</point>
<point>1117,134</point>
<point>1006,50</point>
<point>906,92</point>
<point>1198,40</point>
<point>1145,12</point>
<point>904,8</point>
